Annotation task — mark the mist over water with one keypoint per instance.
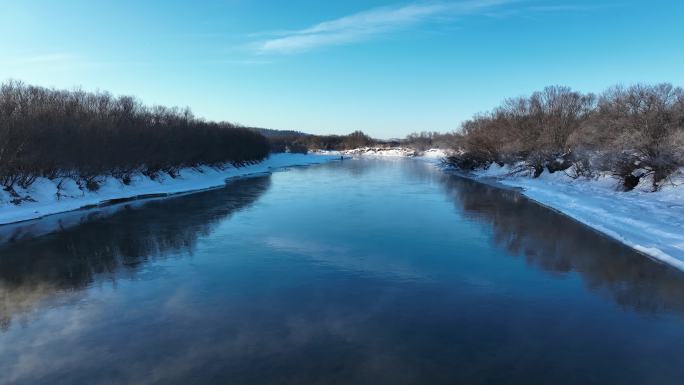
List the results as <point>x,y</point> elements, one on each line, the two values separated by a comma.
<point>362,271</point>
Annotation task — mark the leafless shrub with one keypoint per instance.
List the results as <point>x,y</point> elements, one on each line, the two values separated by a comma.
<point>469,162</point>
<point>647,123</point>
<point>581,168</point>
<point>430,139</point>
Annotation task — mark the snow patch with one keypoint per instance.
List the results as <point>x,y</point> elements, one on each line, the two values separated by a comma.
<point>381,152</point>
<point>45,196</point>
<point>392,152</point>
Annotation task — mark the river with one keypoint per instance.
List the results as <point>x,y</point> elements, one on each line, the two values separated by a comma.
<point>352,272</point>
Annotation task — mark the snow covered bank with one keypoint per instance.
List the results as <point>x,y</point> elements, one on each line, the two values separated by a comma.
<point>380,152</point>
<point>650,222</point>
<point>45,197</point>
<point>434,153</point>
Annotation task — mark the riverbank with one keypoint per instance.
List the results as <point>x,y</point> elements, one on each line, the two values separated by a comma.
<point>45,197</point>
<point>390,152</point>
<point>650,222</point>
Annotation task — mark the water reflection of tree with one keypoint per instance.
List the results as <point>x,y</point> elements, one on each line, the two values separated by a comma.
<point>558,244</point>
<point>106,248</point>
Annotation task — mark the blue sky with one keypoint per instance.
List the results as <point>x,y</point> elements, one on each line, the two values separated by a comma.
<point>386,67</point>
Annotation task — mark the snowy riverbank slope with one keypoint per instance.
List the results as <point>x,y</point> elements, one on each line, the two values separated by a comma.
<point>63,194</point>
<point>651,222</point>
<point>390,152</point>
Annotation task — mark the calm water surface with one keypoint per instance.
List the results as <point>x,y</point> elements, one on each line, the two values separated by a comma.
<point>359,272</point>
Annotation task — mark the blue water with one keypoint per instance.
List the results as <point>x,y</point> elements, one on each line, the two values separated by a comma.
<point>355,272</point>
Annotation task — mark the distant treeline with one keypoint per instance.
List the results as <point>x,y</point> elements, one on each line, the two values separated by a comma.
<point>293,141</point>
<point>57,133</point>
<point>425,140</point>
<point>635,133</point>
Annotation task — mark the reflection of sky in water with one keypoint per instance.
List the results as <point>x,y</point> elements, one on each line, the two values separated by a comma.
<point>355,272</point>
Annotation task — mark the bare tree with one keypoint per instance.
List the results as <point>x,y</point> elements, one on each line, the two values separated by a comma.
<point>50,133</point>
<point>633,132</point>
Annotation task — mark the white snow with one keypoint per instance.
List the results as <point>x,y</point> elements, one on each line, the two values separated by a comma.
<point>64,194</point>
<point>380,152</point>
<point>391,152</point>
<point>435,153</point>
<point>650,222</point>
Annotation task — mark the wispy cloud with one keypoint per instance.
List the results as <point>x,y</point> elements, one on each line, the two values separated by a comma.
<point>534,10</point>
<point>369,24</point>
<point>50,58</point>
<point>566,8</point>
<point>61,61</point>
